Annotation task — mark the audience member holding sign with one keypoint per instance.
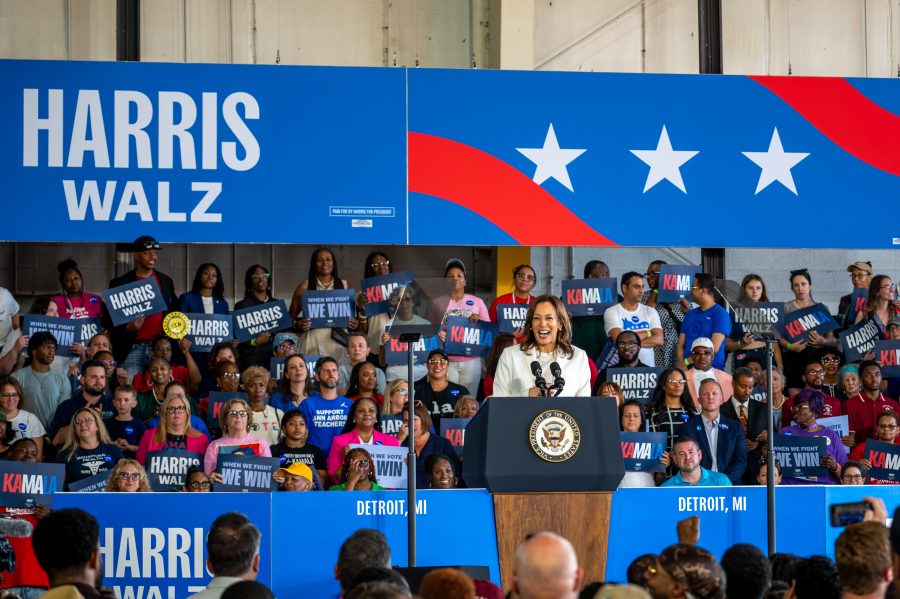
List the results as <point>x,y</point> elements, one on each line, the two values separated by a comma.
<point>806,408</point>
<point>74,301</point>
<point>547,351</point>
<point>881,304</point>
<point>361,428</point>
<point>357,472</point>
<point>631,419</point>
<point>236,438</point>
<point>174,430</point>
<point>797,354</point>
<point>886,431</point>
<point>425,442</point>
<point>524,280</point>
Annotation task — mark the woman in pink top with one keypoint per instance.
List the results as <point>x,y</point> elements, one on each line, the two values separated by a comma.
<point>463,370</point>
<point>174,430</point>
<point>74,301</point>
<point>360,429</point>
<point>235,422</point>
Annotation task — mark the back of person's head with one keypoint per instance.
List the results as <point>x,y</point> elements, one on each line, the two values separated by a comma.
<point>783,566</point>
<point>377,574</point>
<point>65,541</point>
<point>639,568</point>
<point>862,554</point>
<point>816,578</point>
<point>546,566</point>
<point>247,589</point>
<point>696,569</point>
<point>617,591</point>
<point>379,590</point>
<point>364,548</point>
<point>232,545</point>
<point>447,583</point>
<point>748,572</point>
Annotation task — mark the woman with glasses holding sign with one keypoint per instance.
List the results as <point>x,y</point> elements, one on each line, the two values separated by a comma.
<point>235,422</point>
<point>796,355</point>
<point>257,291</point>
<point>741,341</point>
<point>881,305</point>
<point>808,404</point>
<point>670,406</point>
<point>88,449</point>
<point>546,362</point>
<point>524,280</point>
<point>174,430</point>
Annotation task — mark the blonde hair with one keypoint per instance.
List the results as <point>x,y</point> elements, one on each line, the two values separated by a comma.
<point>72,442</point>
<point>391,388</point>
<point>226,407</point>
<point>112,484</point>
<point>160,435</point>
<point>255,372</point>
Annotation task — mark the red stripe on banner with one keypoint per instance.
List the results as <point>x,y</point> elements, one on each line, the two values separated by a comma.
<point>491,188</point>
<point>844,115</point>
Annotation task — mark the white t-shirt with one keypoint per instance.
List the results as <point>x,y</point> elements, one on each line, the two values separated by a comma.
<point>8,308</point>
<point>26,426</point>
<point>641,320</point>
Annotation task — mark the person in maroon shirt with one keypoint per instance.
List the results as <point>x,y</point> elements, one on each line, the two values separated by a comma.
<point>864,407</point>
<point>813,378</point>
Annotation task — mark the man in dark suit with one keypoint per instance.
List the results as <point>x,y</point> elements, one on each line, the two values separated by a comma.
<point>721,439</point>
<point>751,415</point>
<point>132,341</point>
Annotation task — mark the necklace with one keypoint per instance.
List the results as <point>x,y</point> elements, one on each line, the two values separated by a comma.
<point>323,286</point>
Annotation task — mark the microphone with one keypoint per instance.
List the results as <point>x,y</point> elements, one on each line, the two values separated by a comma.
<point>539,381</point>
<point>14,527</point>
<point>559,382</point>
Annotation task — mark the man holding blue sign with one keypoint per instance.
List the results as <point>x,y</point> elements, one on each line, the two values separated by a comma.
<point>631,315</point>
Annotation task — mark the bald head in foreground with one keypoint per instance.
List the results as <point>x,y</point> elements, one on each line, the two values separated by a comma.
<point>546,567</point>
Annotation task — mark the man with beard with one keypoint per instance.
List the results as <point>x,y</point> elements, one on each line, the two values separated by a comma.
<point>863,409</point>
<point>628,348</point>
<point>67,546</point>
<point>631,315</point>
<point>814,378</point>
<point>687,455</point>
<point>92,395</point>
<point>132,341</point>
<point>326,411</point>
<point>701,358</point>
<point>45,389</point>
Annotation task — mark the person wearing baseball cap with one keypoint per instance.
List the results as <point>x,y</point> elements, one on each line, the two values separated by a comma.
<point>860,276</point>
<point>296,477</point>
<point>132,342</point>
<point>701,357</point>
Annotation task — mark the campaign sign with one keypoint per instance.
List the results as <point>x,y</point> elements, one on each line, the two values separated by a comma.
<point>276,367</point>
<point>589,297</point>
<point>66,331</point>
<point>167,468</point>
<point>208,329</point>
<point>511,316</point>
<point>130,301</point>
<point>859,339</point>
<point>216,400</point>
<point>759,318</point>
<point>328,309</point>
<point>467,338</point>
<point>390,424</point>
<point>27,484</point>
<point>839,424</point>
<point>454,430</point>
<point>636,383</point>
<point>888,355</point>
<point>799,323</point>
<point>390,464</point>
<point>676,280</point>
<point>91,484</point>
<point>264,318</point>
<point>885,460</point>
<point>641,451</point>
<point>395,351</point>
<point>378,290</point>
<point>246,473</point>
<point>800,456</point>
<point>857,302</point>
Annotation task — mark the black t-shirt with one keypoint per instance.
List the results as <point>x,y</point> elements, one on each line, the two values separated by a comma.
<point>131,430</point>
<point>88,462</point>
<point>439,403</point>
<point>310,455</point>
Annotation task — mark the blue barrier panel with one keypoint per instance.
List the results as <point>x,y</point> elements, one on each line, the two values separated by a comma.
<point>154,544</point>
<point>453,528</point>
<point>890,494</point>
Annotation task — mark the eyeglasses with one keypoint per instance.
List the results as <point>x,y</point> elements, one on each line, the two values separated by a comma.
<point>83,422</point>
<point>126,476</point>
<point>434,362</point>
<point>701,352</point>
<point>676,381</point>
<point>887,426</point>
<point>260,275</point>
<point>176,409</point>
<point>286,345</point>
<point>377,265</point>
<point>860,275</point>
<point>891,286</point>
<point>403,391</point>
<point>853,477</point>
<point>231,375</point>
<point>524,277</point>
<point>198,484</point>
<point>815,372</point>
<point>651,274</point>
<point>627,343</point>
<point>9,395</point>
<point>237,413</point>
<point>111,363</point>
<point>831,360</point>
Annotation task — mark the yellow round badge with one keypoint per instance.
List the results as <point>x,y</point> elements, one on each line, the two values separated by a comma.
<point>176,325</point>
<point>555,436</point>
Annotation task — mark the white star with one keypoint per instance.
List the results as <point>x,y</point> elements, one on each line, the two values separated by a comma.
<point>665,163</point>
<point>551,161</point>
<point>776,164</point>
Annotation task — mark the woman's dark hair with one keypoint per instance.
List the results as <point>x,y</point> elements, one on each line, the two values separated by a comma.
<point>218,290</point>
<point>591,265</point>
<point>10,434</point>
<point>434,458</point>
<point>290,414</point>
<point>353,383</point>
<point>658,278</point>
<point>350,424</point>
<point>65,266</point>
<point>211,360</point>
<point>346,465</point>
<point>658,399</point>
<point>248,280</point>
<point>640,407</point>
<point>284,385</point>
<point>40,305</point>
<point>191,471</point>
<point>802,272</point>
<point>874,291</point>
<point>501,342</point>
<point>313,273</point>
<point>368,271</point>
<point>747,280</point>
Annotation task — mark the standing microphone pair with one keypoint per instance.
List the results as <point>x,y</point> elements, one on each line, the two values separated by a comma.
<point>558,383</point>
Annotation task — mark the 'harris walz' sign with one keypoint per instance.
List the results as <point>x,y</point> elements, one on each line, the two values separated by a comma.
<point>166,469</point>
<point>511,317</point>
<point>859,339</point>
<point>636,383</point>
<point>800,323</point>
<point>130,301</point>
<point>264,318</point>
<point>328,309</point>
<point>759,318</point>
<point>208,329</point>
<point>589,297</point>
<point>66,331</point>
<point>378,290</point>
<point>467,338</point>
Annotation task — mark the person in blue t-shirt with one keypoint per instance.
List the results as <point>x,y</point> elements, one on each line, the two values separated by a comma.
<point>124,429</point>
<point>325,411</point>
<point>690,473</point>
<point>708,320</point>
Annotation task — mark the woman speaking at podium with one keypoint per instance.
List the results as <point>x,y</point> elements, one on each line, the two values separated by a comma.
<point>545,363</point>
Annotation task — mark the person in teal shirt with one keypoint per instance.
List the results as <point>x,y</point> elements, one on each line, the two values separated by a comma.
<point>687,455</point>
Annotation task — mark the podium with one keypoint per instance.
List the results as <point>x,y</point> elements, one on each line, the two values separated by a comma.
<point>551,464</point>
